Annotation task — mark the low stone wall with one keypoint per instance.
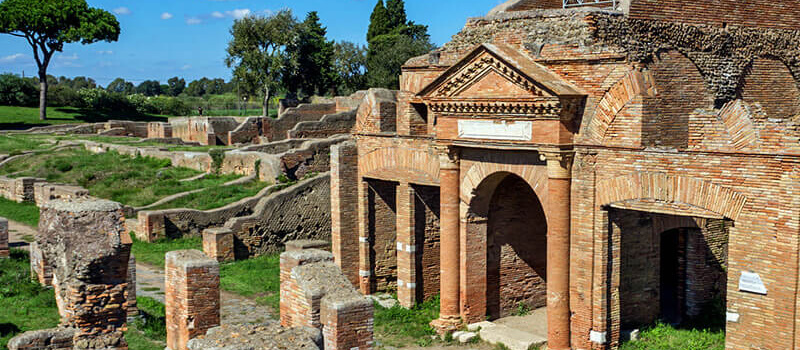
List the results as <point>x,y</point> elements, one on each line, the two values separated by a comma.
<point>315,293</point>
<point>44,339</point>
<point>45,192</point>
<point>301,211</point>
<point>276,129</point>
<point>19,189</point>
<point>313,156</point>
<point>268,335</point>
<point>276,147</point>
<point>329,125</point>
<point>206,130</point>
<point>159,130</point>
<point>85,242</point>
<point>246,132</point>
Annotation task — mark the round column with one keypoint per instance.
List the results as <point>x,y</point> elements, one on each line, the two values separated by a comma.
<point>449,312</point>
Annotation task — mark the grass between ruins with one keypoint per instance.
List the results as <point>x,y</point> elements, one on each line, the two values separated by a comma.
<point>398,326</point>
<point>153,253</point>
<point>216,196</point>
<point>149,332</point>
<point>666,337</point>
<point>24,305</point>
<point>26,213</point>
<point>257,278</point>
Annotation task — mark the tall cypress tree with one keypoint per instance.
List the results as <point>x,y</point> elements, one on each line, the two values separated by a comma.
<point>397,13</point>
<point>312,54</point>
<point>378,22</point>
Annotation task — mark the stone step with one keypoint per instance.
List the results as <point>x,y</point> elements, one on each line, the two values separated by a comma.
<point>514,339</point>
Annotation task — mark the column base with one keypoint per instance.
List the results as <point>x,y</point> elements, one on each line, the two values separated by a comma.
<point>447,324</point>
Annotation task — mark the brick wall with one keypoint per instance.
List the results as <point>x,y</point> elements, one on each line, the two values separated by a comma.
<point>426,228</point>
<point>770,83</point>
<point>382,201</point>
<point>782,14</point>
<point>191,297</point>
<point>315,293</point>
<point>218,244</point>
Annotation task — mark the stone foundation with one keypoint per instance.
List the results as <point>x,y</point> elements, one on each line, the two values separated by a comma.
<point>315,293</point>
<point>192,296</point>
<point>218,244</point>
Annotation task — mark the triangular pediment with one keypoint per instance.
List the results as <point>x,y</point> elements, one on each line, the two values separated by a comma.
<point>497,72</point>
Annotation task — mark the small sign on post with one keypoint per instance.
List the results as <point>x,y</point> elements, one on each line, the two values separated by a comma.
<point>751,282</point>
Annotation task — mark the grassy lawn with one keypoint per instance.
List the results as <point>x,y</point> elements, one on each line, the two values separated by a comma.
<point>153,253</point>
<point>216,197</point>
<point>12,117</point>
<point>149,332</point>
<point>26,213</point>
<point>15,144</point>
<point>135,181</point>
<point>665,337</point>
<point>24,305</point>
<point>256,277</point>
<point>398,326</point>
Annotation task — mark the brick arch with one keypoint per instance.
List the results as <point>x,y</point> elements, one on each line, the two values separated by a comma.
<point>422,166</point>
<point>535,176</point>
<point>633,84</point>
<point>700,194</point>
<point>769,82</point>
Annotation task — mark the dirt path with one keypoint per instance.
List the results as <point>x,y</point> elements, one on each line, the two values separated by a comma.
<point>20,235</point>
<point>234,309</point>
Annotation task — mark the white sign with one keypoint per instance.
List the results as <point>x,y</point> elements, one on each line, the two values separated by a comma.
<point>732,317</point>
<point>751,282</point>
<point>494,129</point>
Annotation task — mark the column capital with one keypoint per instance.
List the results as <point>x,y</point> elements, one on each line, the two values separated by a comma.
<point>449,157</point>
<point>559,162</point>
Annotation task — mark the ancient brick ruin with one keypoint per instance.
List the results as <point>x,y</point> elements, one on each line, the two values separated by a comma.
<point>82,250</point>
<point>614,166</point>
<point>192,296</point>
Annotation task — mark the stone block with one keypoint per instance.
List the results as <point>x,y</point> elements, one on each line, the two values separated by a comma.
<point>218,244</point>
<point>302,244</point>
<point>192,296</point>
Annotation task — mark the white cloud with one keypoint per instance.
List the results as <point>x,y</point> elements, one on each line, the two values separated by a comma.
<point>67,60</point>
<point>193,21</point>
<point>122,11</point>
<point>217,14</point>
<point>166,16</point>
<point>17,57</point>
<point>238,13</point>
<point>107,52</point>
<point>185,67</point>
<point>72,57</point>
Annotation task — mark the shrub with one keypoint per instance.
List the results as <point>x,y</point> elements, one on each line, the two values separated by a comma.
<point>141,104</point>
<point>100,99</point>
<point>63,96</point>
<point>16,91</point>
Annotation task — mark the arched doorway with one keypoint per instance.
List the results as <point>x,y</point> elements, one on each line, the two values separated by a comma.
<point>508,216</point>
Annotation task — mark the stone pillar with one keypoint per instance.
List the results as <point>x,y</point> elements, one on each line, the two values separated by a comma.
<point>192,296</point>
<point>218,244</point>
<point>41,270</point>
<point>406,246</point>
<point>344,208</point>
<point>3,238</point>
<point>449,314</point>
<point>151,226</point>
<point>559,172</point>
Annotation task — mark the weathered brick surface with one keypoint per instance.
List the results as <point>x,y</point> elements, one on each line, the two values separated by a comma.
<point>41,270</point>
<point>218,244</point>
<point>344,208</point>
<point>192,296</point>
<point>315,293</point>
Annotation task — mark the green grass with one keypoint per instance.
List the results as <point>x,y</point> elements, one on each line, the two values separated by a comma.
<point>215,197</point>
<point>398,326</point>
<point>13,117</point>
<point>153,253</point>
<point>665,337</point>
<point>257,277</point>
<point>26,213</point>
<point>149,332</point>
<point>15,144</point>
<point>135,181</point>
<point>24,305</point>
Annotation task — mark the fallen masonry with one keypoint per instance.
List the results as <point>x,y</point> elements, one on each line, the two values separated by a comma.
<point>84,240</point>
<point>270,336</point>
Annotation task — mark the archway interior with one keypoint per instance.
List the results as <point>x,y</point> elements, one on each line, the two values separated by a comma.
<point>516,250</point>
<point>672,269</point>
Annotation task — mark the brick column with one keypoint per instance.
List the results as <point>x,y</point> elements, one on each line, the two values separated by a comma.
<point>406,246</point>
<point>449,314</point>
<point>218,243</point>
<point>3,238</point>
<point>559,172</point>
<point>344,208</point>
<point>364,267</point>
<point>192,296</point>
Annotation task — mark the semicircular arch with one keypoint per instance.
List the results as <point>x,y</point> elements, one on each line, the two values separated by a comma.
<point>417,165</point>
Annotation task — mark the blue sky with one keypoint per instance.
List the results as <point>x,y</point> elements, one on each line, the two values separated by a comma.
<point>187,38</point>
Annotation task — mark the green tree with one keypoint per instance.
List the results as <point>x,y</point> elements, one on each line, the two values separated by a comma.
<point>149,88</point>
<point>257,52</point>
<point>121,86</point>
<point>379,21</point>
<point>392,39</point>
<point>350,64</point>
<point>312,54</point>
<point>49,24</point>
<point>175,86</point>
